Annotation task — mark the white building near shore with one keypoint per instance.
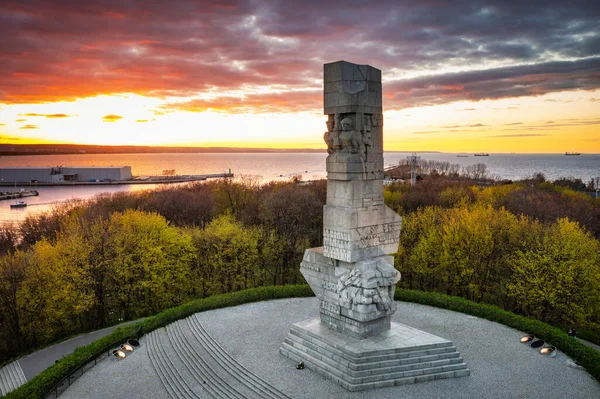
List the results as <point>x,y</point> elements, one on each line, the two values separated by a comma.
<point>60,174</point>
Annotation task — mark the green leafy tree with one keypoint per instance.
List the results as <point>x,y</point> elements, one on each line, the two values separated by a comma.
<point>227,257</point>
<point>149,263</point>
<point>55,292</point>
<point>557,278</point>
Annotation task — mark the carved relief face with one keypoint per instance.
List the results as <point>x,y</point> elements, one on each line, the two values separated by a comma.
<point>347,124</point>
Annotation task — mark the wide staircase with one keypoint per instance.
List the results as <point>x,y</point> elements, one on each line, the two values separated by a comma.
<point>190,364</point>
<point>375,368</point>
<point>11,377</point>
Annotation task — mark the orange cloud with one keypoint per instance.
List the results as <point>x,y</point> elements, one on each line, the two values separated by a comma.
<point>29,127</point>
<point>49,116</point>
<point>296,101</point>
<point>142,120</point>
<point>21,120</point>
<point>111,118</point>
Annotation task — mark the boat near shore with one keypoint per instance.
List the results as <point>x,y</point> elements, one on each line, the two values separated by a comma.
<point>18,204</point>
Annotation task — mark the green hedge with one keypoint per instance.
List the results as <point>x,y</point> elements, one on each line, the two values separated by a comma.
<point>587,357</point>
<point>46,380</point>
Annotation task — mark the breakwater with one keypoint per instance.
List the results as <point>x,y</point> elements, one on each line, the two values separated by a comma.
<point>18,194</point>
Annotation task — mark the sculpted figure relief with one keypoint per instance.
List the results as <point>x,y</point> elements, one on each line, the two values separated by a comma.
<point>331,137</point>
<point>350,138</point>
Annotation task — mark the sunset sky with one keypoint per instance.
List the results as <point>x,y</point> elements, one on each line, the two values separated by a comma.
<point>458,76</point>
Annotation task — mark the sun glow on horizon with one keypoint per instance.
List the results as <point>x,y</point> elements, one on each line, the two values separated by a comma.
<point>557,122</point>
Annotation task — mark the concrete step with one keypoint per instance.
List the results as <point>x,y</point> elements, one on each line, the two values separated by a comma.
<point>358,384</point>
<point>402,359</point>
<point>220,356</point>
<point>402,355</point>
<point>392,354</point>
<point>3,382</point>
<point>157,364</point>
<point>171,374</point>
<point>377,369</point>
<point>200,365</point>
<point>11,377</point>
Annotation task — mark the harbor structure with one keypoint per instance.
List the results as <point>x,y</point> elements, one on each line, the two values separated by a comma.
<point>62,174</point>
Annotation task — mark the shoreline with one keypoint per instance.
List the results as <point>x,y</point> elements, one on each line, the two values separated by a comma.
<point>149,180</point>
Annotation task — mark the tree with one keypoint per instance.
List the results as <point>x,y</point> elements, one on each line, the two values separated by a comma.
<point>12,274</point>
<point>295,214</point>
<point>557,279</point>
<point>227,257</point>
<point>149,263</point>
<point>55,291</point>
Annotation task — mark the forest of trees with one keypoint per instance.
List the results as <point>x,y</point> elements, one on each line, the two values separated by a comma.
<point>530,247</point>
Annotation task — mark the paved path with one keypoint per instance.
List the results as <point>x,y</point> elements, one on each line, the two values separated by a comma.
<point>251,334</point>
<point>17,373</point>
<point>36,362</point>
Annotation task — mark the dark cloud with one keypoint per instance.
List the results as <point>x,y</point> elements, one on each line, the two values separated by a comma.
<point>111,118</point>
<point>70,49</point>
<point>497,83</point>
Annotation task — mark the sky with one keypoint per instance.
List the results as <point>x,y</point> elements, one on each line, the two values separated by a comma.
<point>458,76</point>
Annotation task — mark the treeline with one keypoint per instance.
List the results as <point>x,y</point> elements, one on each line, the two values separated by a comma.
<point>535,198</point>
<point>529,248</point>
<point>432,168</point>
<point>123,256</point>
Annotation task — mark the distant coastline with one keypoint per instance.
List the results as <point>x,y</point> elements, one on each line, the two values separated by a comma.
<point>62,149</point>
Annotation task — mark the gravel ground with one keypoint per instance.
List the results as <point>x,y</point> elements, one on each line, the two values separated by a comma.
<point>501,367</point>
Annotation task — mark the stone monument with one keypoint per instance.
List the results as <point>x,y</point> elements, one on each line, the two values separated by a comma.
<point>354,342</point>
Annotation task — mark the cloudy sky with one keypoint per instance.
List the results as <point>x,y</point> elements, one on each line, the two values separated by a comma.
<point>503,76</point>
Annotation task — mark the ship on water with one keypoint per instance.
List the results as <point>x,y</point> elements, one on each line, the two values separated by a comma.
<point>482,154</point>
<point>572,153</point>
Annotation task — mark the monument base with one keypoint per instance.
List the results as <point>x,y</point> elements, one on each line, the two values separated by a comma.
<point>401,355</point>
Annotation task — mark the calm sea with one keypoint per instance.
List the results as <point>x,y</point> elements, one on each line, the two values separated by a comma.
<point>269,166</point>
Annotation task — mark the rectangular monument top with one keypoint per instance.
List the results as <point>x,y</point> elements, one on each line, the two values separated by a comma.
<point>351,87</point>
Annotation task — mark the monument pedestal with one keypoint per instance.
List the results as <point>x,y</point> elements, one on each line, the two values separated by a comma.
<point>400,355</point>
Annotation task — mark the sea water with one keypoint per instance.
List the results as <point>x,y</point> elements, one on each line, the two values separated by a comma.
<point>269,166</point>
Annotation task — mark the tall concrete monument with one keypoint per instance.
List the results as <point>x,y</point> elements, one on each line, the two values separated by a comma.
<point>354,342</point>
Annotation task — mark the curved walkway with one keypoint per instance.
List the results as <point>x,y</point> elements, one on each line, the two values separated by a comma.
<point>234,353</point>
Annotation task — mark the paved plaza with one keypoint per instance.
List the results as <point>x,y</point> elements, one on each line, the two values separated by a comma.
<point>251,335</point>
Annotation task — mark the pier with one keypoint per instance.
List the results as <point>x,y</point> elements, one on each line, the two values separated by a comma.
<point>18,194</point>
